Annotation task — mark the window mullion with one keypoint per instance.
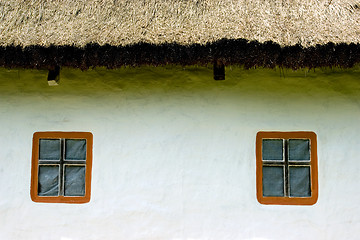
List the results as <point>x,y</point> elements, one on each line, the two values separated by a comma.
<point>286,166</point>
<point>61,193</point>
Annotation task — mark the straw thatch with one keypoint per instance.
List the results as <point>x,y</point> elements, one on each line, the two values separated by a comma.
<point>123,22</point>
<point>113,33</point>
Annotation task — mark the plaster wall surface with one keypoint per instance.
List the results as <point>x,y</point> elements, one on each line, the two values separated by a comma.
<point>174,152</point>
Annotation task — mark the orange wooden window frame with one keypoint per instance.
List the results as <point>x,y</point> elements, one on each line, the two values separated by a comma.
<point>313,165</point>
<point>35,162</point>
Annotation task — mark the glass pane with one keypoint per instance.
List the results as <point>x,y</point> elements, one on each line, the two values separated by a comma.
<point>49,149</point>
<point>273,181</point>
<point>300,181</point>
<point>48,184</point>
<point>299,149</point>
<point>75,149</point>
<point>74,181</point>
<point>272,149</point>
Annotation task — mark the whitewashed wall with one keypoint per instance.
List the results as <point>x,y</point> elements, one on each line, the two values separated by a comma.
<point>174,152</point>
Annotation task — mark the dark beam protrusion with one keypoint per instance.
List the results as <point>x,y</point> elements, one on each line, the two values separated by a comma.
<point>54,76</point>
<point>219,70</point>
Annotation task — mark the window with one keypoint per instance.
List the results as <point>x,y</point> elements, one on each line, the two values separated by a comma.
<point>286,168</point>
<point>61,167</point>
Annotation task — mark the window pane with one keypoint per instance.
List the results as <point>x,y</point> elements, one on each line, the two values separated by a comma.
<point>300,181</point>
<point>299,149</point>
<point>75,149</point>
<point>272,149</point>
<point>49,149</point>
<point>74,181</point>
<point>273,181</point>
<point>48,181</point>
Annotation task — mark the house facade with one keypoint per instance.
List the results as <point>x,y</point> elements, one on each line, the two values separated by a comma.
<point>174,152</point>
<point>115,124</point>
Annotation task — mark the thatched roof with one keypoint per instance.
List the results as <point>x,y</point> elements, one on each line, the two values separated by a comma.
<point>112,33</point>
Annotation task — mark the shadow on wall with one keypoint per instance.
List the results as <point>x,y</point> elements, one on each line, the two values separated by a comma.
<point>179,86</point>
